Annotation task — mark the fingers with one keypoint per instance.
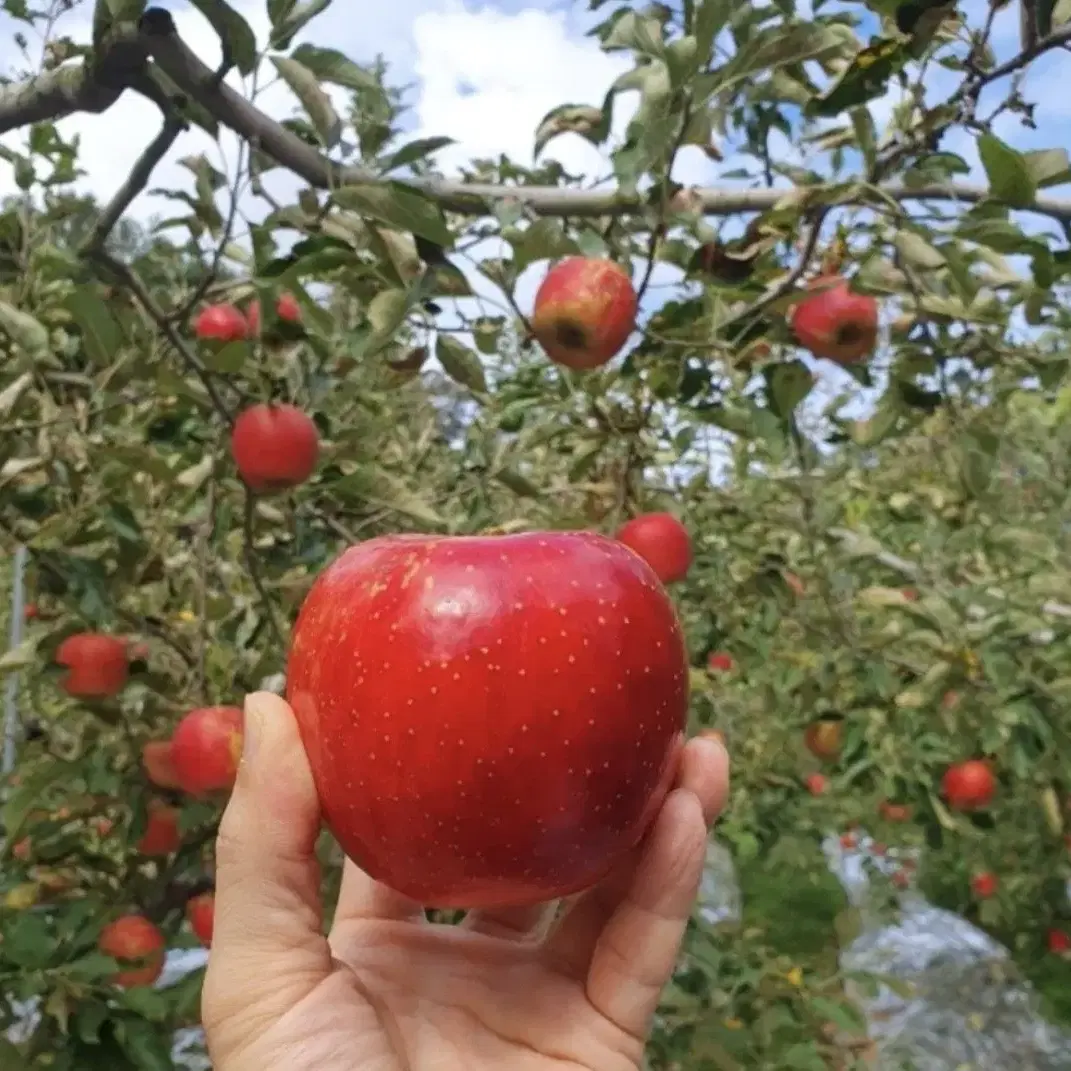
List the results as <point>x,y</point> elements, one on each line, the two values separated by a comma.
<point>267,947</point>
<point>362,898</point>
<point>637,950</point>
<point>515,923</point>
<point>704,772</point>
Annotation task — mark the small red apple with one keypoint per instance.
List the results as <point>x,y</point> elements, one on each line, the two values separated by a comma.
<point>206,748</point>
<point>849,841</point>
<point>101,825</point>
<point>720,662</point>
<point>158,764</point>
<point>96,664</point>
<point>816,784</point>
<point>1059,942</point>
<point>662,541</point>
<point>490,720</point>
<point>585,310</point>
<point>901,878</point>
<point>824,738</point>
<point>286,308</point>
<point>895,812</point>
<point>201,914</point>
<point>23,849</point>
<point>969,785</point>
<point>221,324</point>
<point>161,836</point>
<point>275,447</point>
<point>836,323</point>
<point>30,612</point>
<point>984,885</point>
<point>134,939</point>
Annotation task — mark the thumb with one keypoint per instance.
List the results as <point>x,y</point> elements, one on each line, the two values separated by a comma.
<point>268,949</point>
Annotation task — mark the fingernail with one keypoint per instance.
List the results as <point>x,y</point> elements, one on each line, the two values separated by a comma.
<point>252,726</point>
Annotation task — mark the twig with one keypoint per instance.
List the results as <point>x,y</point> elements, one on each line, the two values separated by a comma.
<point>253,565</point>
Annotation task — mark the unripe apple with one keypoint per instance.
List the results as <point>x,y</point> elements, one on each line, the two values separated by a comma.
<point>662,541</point>
<point>206,748</point>
<point>161,836</point>
<point>836,323</point>
<point>201,914</point>
<point>97,665</point>
<point>220,324</point>
<point>824,738</point>
<point>585,310</point>
<point>275,447</point>
<point>134,939</point>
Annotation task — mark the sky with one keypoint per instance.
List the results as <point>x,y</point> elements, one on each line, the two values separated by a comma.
<point>485,73</point>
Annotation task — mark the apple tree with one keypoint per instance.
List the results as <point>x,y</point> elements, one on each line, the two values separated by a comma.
<point>845,376</point>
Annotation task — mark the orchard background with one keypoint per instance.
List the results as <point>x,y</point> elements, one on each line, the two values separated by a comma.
<point>882,557</point>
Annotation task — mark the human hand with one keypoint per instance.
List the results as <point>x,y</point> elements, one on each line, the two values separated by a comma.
<point>389,991</point>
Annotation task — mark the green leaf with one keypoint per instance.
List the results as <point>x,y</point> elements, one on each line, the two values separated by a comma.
<point>413,151</point>
<point>28,796</point>
<point>787,385</point>
<point>102,336</point>
<point>1061,13</point>
<point>234,32</point>
<point>313,99</point>
<point>1008,172</point>
<point>866,77</point>
<point>330,65</point>
<point>124,10</point>
<point>710,19</point>
<point>278,10</point>
<point>386,313</point>
<point>1048,167</point>
<point>460,363</point>
<point>517,482</point>
<point>30,335</point>
<point>14,392</point>
<point>545,239</point>
<point>10,1057</point>
<point>297,17</point>
<point>591,123</point>
<point>147,1047</point>
<point>229,359</point>
<point>21,657</point>
<point>398,205</point>
<point>29,940</point>
<point>916,251</point>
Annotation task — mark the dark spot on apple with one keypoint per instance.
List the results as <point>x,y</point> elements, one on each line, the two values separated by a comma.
<point>571,335</point>
<point>849,334</point>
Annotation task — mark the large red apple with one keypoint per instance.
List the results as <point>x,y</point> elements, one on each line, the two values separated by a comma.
<point>969,785</point>
<point>206,748</point>
<point>490,720</point>
<point>158,764</point>
<point>220,324</point>
<point>161,836</point>
<point>134,939</point>
<point>201,914</point>
<point>662,541</point>
<point>836,323</point>
<point>584,312</point>
<point>275,447</point>
<point>97,665</point>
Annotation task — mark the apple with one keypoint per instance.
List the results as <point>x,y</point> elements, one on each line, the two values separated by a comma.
<point>836,323</point>
<point>23,849</point>
<point>97,666</point>
<point>275,447</point>
<point>849,841</point>
<point>161,836</point>
<point>158,764</point>
<point>895,812</point>
<point>31,612</point>
<point>206,748</point>
<point>1059,942</point>
<point>901,878</point>
<point>134,939</point>
<point>585,310</point>
<point>969,785</point>
<point>490,720</point>
<point>201,913</point>
<point>816,783</point>
<point>720,662</point>
<point>824,738</point>
<point>286,308</point>
<point>984,885</point>
<point>220,324</point>
<point>662,541</point>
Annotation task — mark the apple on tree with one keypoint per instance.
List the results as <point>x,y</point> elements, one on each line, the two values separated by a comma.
<point>201,914</point>
<point>970,785</point>
<point>161,836</point>
<point>275,447</point>
<point>220,324</point>
<point>720,662</point>
<point>824,738</point>
<point>490,720</point>
<point>97,665</point>
<point>662,541</point>
<point>584,311</point>
<point>158,765</point>
<point>836,323</point>
<point>286,308</point>
<point>206,748</point>
<point>134,940</point>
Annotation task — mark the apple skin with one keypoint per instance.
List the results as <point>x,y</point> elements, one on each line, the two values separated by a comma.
<point>201,915</point>
<point>97,665</point>
<point>275,447</point>
<point>824,738</point>
<point>984,885</point>
<point>720,662</point>
<point>969,785</point>
<point>584,311</point>
<point>158,764</point>
<point>816,784</point>
<point>895,812</point>
<point>662,541</point>
<point>490,720</point>
<point>220,324</point>
<point>161,836</point>
<point>286,308</point>
<point>836,323</point>
<point>134,938</point>
<point>206,748</point>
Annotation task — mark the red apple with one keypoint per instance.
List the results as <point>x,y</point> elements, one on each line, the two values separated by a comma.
<point>895,812</point>
<point>286,308</point>
<point>984,885</point>
<point>275,447</point>
<point>901,878</point>
<point>816,784</point>
<point>824,738</point>
<point>161,836</point>
<point>158,764</point>
<point>221,324</point>
<point>23,849</point>
<point>490,720</point>
<point>662,541</point>
<point>849,841</point>
<point>96,664</point>
<point>201,913</point>
<point>720,662</point>
<point>134,939</point>
<point>31,612</point>
<point>969,785</point>
<point>836,323</point>
<point>585,310</point>
<point>206,748</point>
<point>1059,942</point>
